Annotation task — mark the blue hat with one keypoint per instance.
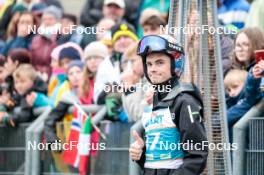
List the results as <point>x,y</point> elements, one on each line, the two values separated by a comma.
<point>75,63</point>
<point>54,11</point>
<point>69,52</point>
<point>38,8</point>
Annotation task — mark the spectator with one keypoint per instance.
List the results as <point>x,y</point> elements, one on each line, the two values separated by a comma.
<point>68,22</point>
<point>44,42</point>
<point>240,129</point>
<point>31,94</point>
<point>81,92</point>
<point>38,9</point>
<point>227,45</point>
<point>99,31</point>
<point>243,91</point>
<point>258,72</point>
<point>58,73</point>
<point>92,11</point>
<point>151,22</point>
<point>233,12</point>
<point>114,9</point>
<point>161,5</point>
<point>247,41</point>
<point>3,72</point>
<point>6,16</point>
<point>54,3</point>
<point>19,35</point>
<point>134,83</point>
<point>94,54</point>
<point>105,35</point>
<point>123,36</point>
<point>254,18</point>
<point>66,56</point>
<point>74,74</point>
<point>72,32</point>
<point>104,26</point>
<point>14,59</point>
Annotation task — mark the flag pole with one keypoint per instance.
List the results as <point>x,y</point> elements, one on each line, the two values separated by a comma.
<point>94,125</point>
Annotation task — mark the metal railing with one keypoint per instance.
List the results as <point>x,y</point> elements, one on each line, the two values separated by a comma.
<point>34,134</point>
<point>13,146</point>
<point>255,152</point>
<point>240,131</point>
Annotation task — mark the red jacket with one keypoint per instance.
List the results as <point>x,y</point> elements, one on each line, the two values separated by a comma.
<point>41,48</point>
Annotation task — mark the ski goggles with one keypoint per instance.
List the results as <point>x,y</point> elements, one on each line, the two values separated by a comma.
<point>154,43</point>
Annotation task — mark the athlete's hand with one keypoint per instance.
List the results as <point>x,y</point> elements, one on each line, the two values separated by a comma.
<point>136,148</point>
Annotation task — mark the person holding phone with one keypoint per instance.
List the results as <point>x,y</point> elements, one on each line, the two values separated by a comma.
<point>258,72</point>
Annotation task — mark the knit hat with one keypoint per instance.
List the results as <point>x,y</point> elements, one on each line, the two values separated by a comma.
<point>20,7</point>
<point>123,29</point>
<point>75,63</point>
<point>69,52</point>
<point>38,8</point>
<point>148,13</point>
<point>119,3</point>
<point>56,51</point>
<point>95,48</point>
<point>54,11</point>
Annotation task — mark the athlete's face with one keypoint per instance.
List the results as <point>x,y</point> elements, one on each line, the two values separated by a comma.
<point>159,67</point>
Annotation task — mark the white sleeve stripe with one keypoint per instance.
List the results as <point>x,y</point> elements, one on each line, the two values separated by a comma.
<point>190,113</point>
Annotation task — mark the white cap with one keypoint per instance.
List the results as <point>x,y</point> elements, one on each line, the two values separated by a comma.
<point>120,3</point>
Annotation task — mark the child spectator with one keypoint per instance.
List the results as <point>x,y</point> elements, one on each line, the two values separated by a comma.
<point>94,54</point>
<point>243,91</point>
<point>58,73</point>
<point>14,59</point>
<point>66,56</point>
<point>74,75</point>
<point>81,91</point>
<point>151,21</point>
<point>30,94</point>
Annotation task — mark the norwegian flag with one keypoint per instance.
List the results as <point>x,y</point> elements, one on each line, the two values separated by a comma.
<point>77,150</point>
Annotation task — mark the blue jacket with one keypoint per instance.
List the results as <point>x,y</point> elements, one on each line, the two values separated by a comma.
<point>17,42</point>
<point>233,12</point>
<point>248,97</point>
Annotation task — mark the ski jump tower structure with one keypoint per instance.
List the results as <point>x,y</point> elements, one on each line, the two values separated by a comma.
<point>194,24</point>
